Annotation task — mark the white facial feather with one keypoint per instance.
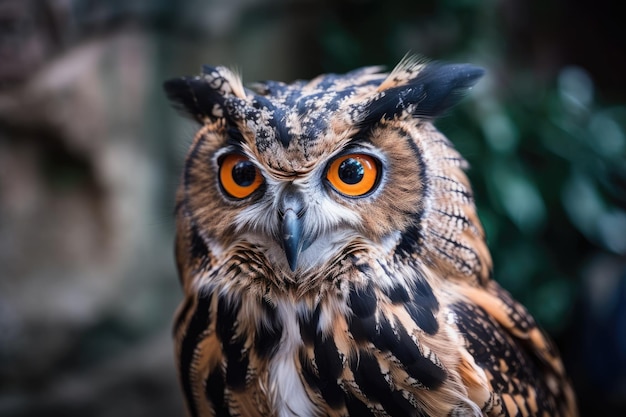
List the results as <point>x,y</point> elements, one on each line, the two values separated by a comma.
<point>327,223</point>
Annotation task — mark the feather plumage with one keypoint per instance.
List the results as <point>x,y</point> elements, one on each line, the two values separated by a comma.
<point>386,306</point>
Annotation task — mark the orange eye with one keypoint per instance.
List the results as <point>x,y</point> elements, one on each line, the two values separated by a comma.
<point>239,176</point>
<point>353,175</point>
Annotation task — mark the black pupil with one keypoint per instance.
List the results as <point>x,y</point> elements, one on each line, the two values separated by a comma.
<point>244,173</point>
<point>351,171</point>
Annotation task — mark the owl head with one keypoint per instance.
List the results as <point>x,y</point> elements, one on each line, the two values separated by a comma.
<point>296,178</point>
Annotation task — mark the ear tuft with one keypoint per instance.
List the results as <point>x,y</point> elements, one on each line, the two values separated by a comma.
<point>203,97</point>
<point>445,86</point>
<point>433,89</point>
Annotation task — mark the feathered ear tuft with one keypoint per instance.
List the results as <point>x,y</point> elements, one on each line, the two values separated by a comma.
<point>203,97</point>
<point>421,90</point>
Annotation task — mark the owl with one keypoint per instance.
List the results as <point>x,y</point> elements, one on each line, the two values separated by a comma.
<point>332,261</point>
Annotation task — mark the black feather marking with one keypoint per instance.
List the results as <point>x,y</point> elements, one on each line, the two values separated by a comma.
<point>194,333</point>
<point>214,391</point>
<point>363,330</point>
<point>423,317</point>
<point>424,306</point>
<point>279,123</point>
<point>435,89</point>
<point>423,293</point>
<point>409,241</point>
<point>308,372</point>
<point>327,360</point>
<point>237,364</point>
<point>372,382</point>
<point>412,235</point>
<point>363,301</point>
<point>194,96</point>
<point>268,334</point>
<point>356,407</point>
<point>377,331</point>
<point>187,170</point>
<point>329,367</point>
<point>386,338</point>
<point>460,219</point>
<point>198,248</point>
<point>397,294</point>
<point>181,316</point>
<point>237,359</point>
<point>308,326</point>
<point>365,269</point>
<point>277,120</point>
<point>236,136</point>
<point>417,366</point>
<point>226,317</point>
<point>392,103</point>
<point>444,86</point>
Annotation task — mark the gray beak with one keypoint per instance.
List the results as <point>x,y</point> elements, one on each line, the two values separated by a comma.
<point>291,211</point>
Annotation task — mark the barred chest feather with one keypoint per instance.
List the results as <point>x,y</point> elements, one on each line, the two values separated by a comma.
<point>358,349</point>
<point>372,344</point>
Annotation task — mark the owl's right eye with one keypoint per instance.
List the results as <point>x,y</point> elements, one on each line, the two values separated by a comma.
<point>239,177</point>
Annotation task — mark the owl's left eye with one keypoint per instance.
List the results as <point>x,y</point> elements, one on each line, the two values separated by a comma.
<point>239,177</point>
<point>353,175</point>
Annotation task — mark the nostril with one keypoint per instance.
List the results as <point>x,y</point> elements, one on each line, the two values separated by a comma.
<point>291,200</point>
<point>298,213</point>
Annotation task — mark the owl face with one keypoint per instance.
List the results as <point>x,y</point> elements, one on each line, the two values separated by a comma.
<point>306,174</point>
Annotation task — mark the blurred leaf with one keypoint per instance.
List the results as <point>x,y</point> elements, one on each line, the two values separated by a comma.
<point>582,203</point>
<point>500,133</point>
<point>607,136</point>
<point>575,88</point>
<point>519,264</point>
<point>519,196</point>
<point>552,301</point>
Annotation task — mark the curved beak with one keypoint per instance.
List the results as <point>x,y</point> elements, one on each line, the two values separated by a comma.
<point>291,211</point>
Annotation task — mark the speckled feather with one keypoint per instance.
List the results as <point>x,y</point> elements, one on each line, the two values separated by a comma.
<point>390,310</point>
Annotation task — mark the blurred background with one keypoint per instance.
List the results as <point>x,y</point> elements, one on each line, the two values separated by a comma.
<point>90,153</point>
